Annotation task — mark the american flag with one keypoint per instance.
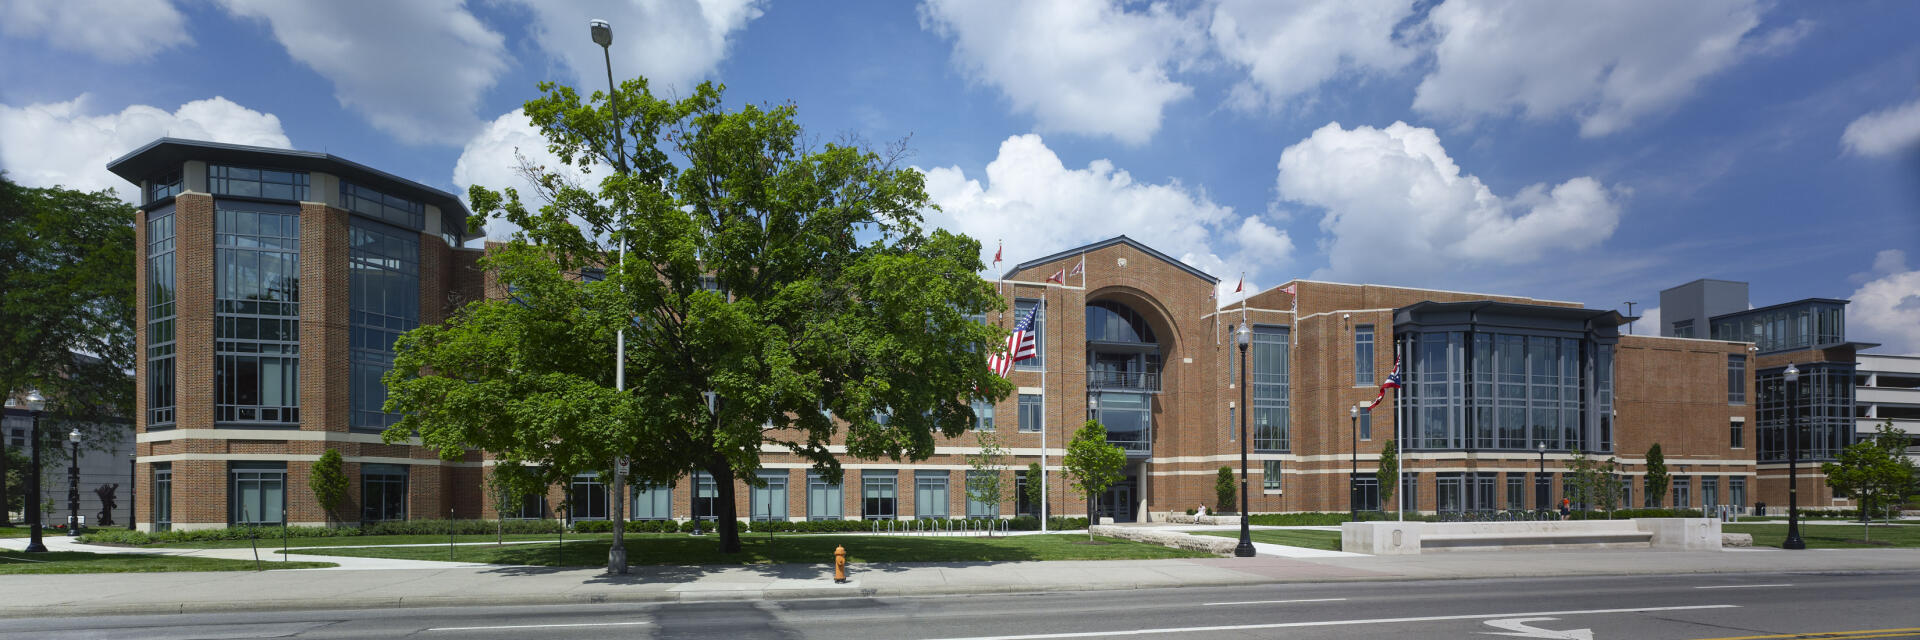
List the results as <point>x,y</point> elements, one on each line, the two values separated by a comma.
<point>1021,344</point>
<point>1392,382</point>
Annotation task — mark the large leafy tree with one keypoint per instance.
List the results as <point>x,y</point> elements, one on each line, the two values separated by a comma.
<point>1874,470</point>
<point>793,282</point>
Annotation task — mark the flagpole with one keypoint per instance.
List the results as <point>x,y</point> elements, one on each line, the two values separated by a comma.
<point>1043,421</point>
<point>1399,457</point>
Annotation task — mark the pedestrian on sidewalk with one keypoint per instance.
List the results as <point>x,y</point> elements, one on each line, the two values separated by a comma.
<point>1566,508</point>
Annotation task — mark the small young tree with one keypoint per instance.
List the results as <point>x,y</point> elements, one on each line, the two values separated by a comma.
<point>1872,471</point>
<point>1657,478</point>
<point>1094,465</point>
<point>1388,476</point>
<point>983,482</point>
<point>329,481</point>
<point>1035,491</point>
<point>1608,486</point>
<point>1223,491</point>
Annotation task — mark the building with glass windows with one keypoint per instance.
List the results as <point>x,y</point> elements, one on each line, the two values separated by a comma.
<point>273,284</point>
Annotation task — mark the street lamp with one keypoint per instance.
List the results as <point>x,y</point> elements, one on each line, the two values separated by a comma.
<point>1242,336</point>
<point>35,403</point>
<point>1353,490</point>
<point>1793,460</point>
<point>73,485</point>
<point>616,554</point>
<point>1541,489</point>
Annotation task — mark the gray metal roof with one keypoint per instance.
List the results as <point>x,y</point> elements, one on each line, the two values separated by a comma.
<point>1120,239</point>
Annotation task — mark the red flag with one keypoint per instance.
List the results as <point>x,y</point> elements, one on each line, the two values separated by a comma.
<point>1243,284</point>
<point>1292,289</point>
<point>1058,276</point>
<point>996,252</point>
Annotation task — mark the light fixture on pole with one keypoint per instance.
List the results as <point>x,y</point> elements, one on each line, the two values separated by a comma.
<point>1793,540</point>
<point>31,502</point>
<point>617,553</point>
<point>73,485</point>
<point>1541,485</point>
<point>1353,489</point>
<point>1242,337</point>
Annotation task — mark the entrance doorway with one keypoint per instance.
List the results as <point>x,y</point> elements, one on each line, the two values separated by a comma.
<point>1118,501</point>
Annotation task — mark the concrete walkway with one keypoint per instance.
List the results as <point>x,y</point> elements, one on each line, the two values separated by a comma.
<point>269,554</point>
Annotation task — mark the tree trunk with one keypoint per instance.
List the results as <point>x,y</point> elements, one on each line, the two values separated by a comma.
<point>726,518</point>
<point>1091,496</point>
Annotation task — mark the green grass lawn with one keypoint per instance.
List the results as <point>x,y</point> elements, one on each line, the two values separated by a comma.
<point>18,532</point>
<point>682,549</point>
<point>1328,540</point>
<point>1830,536</point>
<point>52,562</point>
<point>355,541</point>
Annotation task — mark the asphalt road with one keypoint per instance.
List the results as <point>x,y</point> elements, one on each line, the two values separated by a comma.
<point>1746,606</point>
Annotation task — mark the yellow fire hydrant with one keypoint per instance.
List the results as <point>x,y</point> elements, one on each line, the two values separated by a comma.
<point>839,564</point>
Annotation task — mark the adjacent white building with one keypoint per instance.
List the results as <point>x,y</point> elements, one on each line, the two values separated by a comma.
<point>1888,387</point>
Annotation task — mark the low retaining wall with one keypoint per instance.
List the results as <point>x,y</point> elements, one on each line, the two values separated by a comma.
<point>1187,519</point>
<point>1208,544</point>
<point>1406,538</point>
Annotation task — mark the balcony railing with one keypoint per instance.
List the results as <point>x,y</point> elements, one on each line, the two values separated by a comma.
<point>1132,446</point>
<point>1130,380</point>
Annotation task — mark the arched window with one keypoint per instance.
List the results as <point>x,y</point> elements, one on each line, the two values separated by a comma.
<point>1109,321</point>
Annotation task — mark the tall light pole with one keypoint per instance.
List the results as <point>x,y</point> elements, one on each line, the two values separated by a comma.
<point>1353,490</point>
<point>1541,490</point>
<point>1793,460</point>
<point>31,502</point>
<point>73,485</point>
<point>1245,549</point>
<point>616,554</point>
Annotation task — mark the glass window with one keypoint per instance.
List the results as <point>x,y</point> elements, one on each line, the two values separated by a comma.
<point>982,415</point>
<point>1363,355</point>
<point>824,500</point>
<point>976,508</point>
<point>1032,413</point>
<point>1271,417</point>
<point>383,492</point>
<point>383,270</point>
<point>1735,437</point>
<point>532,506</point>
<point>1683,328</point>
<point>257,313</point>
<point>1709,491</point>
<point>930,494</point>
<point>257,492</point>
<point>163,496</point>
<point>1109,321</point>
<point>1409,493</point>
<point>877,494</point>
<point>160,316</point>
<point>587,498</point>
<point>1736,379</point>
<point>162,187</point>
<point>1039,361</point>
<point>1271,476</point>
<point>769,502</point>
<point>1646,487</point>
<point>1516,491</point>
<point>652,502</point>
<point>257,183</point>
<point>1128,418</point>
<point>1825,412</point>
<point>1682,492</point>
<point>1366,492</point>
<point>1447,492</point>
<point>383,207</point>
<point>1737,491</point>
<point>1366,423</point>
<point>706,497</point>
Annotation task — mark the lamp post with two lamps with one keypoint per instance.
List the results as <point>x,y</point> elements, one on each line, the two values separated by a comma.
<point>1242,336</point>
<point>73,485</point>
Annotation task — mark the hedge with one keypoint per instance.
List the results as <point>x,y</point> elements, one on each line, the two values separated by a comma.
<point>404,527</point>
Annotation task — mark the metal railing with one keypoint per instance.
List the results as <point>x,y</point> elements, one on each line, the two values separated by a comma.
<point>1132,447</point>
<point>1130,380</point>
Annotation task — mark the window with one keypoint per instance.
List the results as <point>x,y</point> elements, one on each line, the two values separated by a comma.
<point>383,207</point>
<point>257,313</point>
<point>1128,418</point>
<point>1366,423</point>
<point>587,498</point>
<point>1409,491</point>
<point>1542,490</point>
<point>1482,390</point>
<point>592,274</point>
<point>1031,413</point>
<point>383,492</point>
<point>652,502</point>
<point>163,187</point>
<point>1363,355</point>
<point>160,316</point>
<point>163,496</point>
<point>1516,491</point>
<point>1447,492</point>
<point>877,494</point>
<point>1270,475</point>
<point>1020,308</point>
<point>1646,487</point>
<point>1366,492</point>
<point>824,500</point>
<point>17,438</point>
<point>257,492</point>
<point>1734,434</point>
<point>930,494</point>
<point>1736,379</point>
<point>982,415</point>
<point>769,503</point>
<point>257,183</point>
<point>976,508</point>
<point>706,497</point>
<point>1683,328</point>
<point>383,270</point>
<point>1021,503</point>
<point>1269,366</point>
<point>1682,492</point>
<point>1737,491</point>
<point>1709,491</point>
<point>532,506</point>
<point>1826,412</point>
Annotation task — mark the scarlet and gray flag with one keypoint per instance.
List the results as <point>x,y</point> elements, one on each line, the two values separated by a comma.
<point>1079,268</point>
<point>1058,276</point>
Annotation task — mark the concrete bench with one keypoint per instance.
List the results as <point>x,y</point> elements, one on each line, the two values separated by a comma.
<point>1390,538</point>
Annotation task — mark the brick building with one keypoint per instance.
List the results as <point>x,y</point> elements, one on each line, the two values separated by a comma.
<point>273,283</point>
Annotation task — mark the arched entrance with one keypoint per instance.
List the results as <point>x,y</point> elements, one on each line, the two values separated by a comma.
<point>1128,340</point>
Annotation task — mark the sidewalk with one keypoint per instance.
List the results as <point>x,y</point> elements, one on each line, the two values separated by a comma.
<point>452,584</point>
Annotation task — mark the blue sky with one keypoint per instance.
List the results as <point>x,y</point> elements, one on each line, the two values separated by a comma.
<point>1567,151</point>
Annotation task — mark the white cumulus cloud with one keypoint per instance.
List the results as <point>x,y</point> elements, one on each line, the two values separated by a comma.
<point>1289,49</point>
<point>1398,210</point>
<point>1037,205</point>
<point>106,29</point>
<point>1887,308</point>
<point>61,143</point>
<point>673,43</point>
<point>1606,64</point>
<point>1088,67</point>
<point>1884,132</point>
<point>414,69</point>
<point>492,159</point>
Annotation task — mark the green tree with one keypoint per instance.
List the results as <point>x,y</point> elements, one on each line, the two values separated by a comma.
<point>329,481</point>
<point>1875,471</point>
<point>1388,475</point>
<point>796,283</point>
<point>1225,491</point>
<point>1035,492</point>
<point>984,483</point>
<point>1657,478</point>
<point>1094,464</point>
<point>1593,483</point>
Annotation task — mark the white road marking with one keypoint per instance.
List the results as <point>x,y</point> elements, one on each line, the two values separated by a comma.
<point>1518,628</point>
<point>1222,604</point>
<point>1335,623</point>
<point>1743,586</point>
<point>541,626</point>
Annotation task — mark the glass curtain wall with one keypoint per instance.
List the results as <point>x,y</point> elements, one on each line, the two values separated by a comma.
<point>1825,412</point>
<point>163,496</point>
<point>1525,390</point>
<point>383,270</point>
<point>1271,419</point>
<point>257,313</point>
<point>160,317</point>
